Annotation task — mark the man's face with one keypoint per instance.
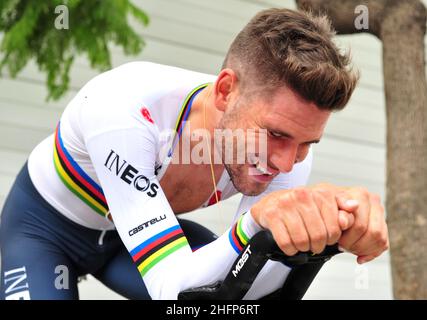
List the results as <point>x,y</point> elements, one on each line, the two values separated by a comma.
<point>287,123</point>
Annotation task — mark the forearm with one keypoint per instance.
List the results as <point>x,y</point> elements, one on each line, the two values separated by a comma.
<point>185,269</point>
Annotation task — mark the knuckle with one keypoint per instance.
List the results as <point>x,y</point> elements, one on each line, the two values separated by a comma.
<point>377,235</point>
<point>302,194</point>
<point>360,228</point>
<point>284,199</point>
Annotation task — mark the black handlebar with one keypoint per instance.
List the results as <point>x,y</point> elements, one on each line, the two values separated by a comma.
<point>260,249</point>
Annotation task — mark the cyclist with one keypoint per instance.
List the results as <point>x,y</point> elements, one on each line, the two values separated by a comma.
<point>101,194</point>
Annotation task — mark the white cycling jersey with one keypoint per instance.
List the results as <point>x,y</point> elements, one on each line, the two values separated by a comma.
<point>104,163</point>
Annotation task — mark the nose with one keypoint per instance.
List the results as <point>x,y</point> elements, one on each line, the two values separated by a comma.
<point>285,159</point>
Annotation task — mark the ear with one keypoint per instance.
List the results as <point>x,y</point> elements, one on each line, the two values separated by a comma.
<point>226,88</point>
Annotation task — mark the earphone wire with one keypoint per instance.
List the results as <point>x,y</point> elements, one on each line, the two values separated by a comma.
<point>210,159</point>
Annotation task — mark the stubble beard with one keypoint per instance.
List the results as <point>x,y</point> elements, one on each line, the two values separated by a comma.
<point>239,173</point>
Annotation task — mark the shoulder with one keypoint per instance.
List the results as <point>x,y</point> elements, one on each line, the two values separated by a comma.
<point>130,94</point>
<point>137,82</point>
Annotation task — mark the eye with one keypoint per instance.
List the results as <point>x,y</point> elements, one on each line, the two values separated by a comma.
<point>275,134</point>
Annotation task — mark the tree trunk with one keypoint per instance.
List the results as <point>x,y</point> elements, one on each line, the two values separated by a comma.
<point>401,27</point>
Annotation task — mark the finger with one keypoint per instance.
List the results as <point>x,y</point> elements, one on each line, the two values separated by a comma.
<point>282,238</point>
<point>376,238</point>
<point>326,201</point>
<point>366,258</point>
<point>345,219</point>
<point>297,232</point>
<point>346,203</point>
<point>367,247</point>
<point>371,245</point>
<point>296,228</point>
<point>361,221</point>
<point>312,219</point>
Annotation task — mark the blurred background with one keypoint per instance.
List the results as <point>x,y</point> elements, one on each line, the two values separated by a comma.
<point>195,35</point>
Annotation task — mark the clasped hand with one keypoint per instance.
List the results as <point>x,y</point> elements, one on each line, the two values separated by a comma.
<point>309,218</point>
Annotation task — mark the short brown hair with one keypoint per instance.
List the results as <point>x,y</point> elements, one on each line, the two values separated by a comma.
<point>282,46</point>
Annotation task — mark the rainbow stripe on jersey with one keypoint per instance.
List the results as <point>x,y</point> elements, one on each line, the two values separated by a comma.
<point>76,180</point>
<point>238,239</point>
<point>158,247</point>
<point>183,115</point>
<point>83,186</point>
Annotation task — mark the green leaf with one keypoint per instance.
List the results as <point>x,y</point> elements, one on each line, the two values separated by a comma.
<point>30,33</point>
